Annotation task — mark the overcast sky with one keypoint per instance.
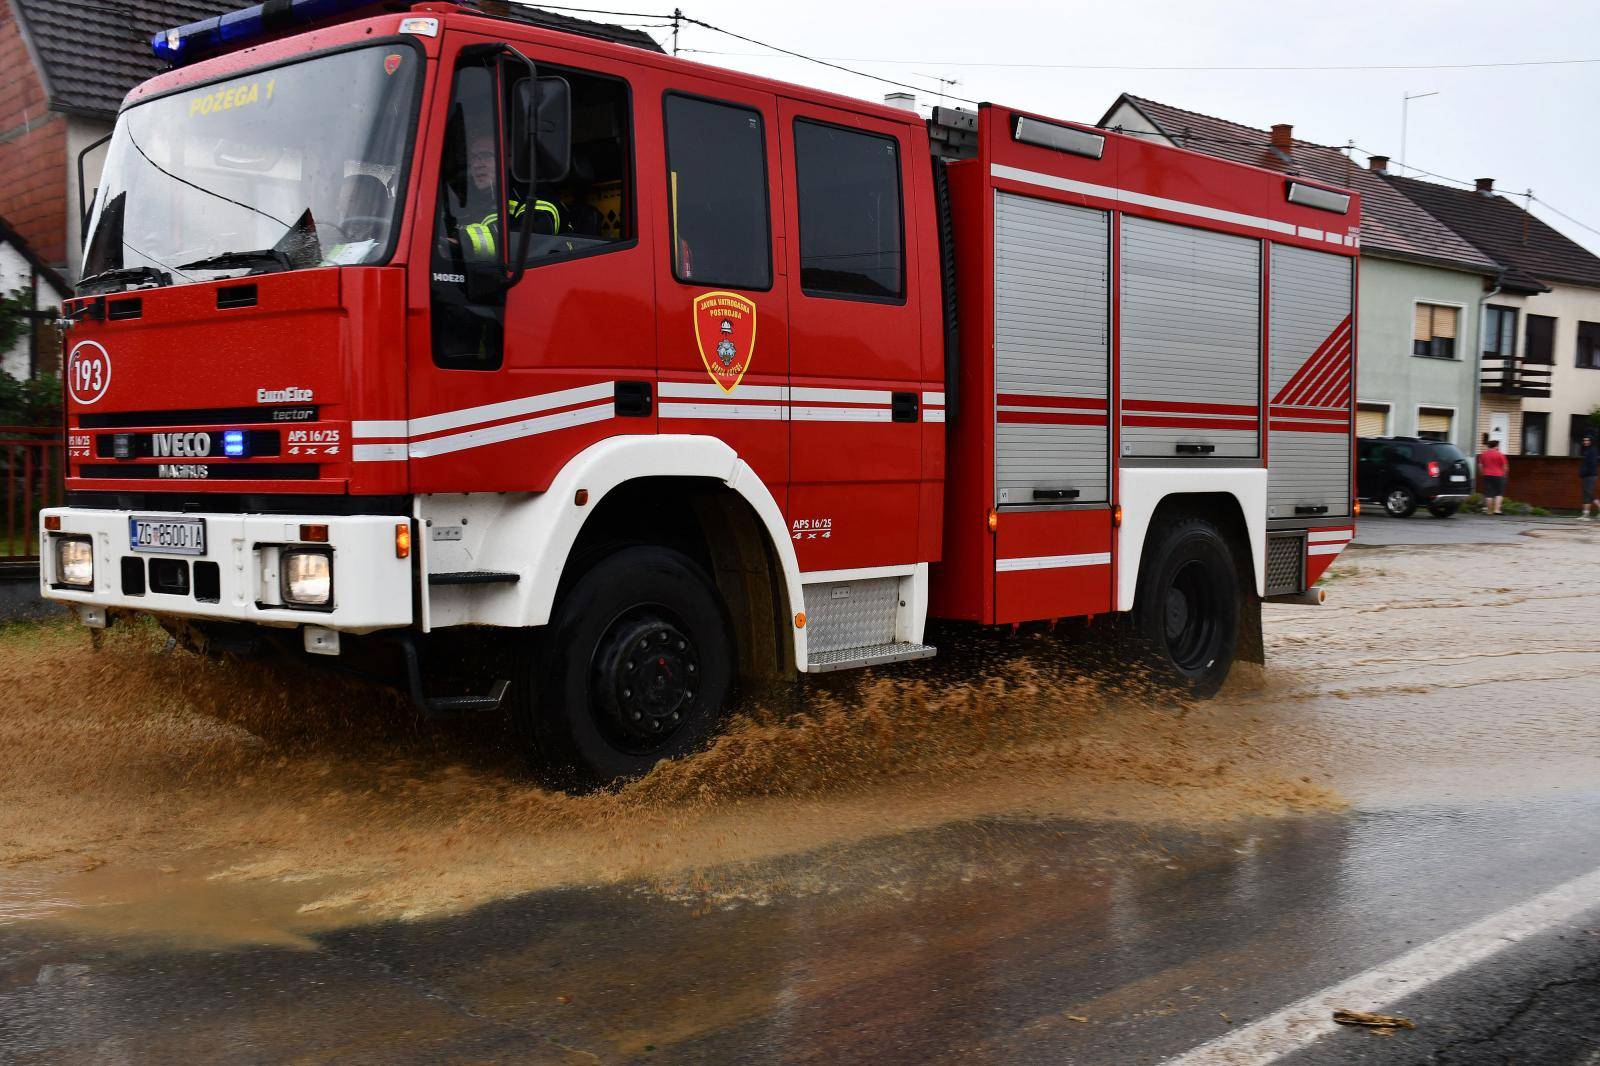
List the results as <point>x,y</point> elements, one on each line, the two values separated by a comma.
<point>1527,127</point>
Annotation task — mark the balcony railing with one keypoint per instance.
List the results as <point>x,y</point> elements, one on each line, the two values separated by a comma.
<point>1511,376</point>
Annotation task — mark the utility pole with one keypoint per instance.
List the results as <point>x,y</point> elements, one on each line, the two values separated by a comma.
<point>1405,104</point>
<point>677,17</point>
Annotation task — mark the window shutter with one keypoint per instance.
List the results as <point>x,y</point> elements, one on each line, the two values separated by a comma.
<point>1444,322</point>
<point>1433,421</point>
<point>1370,421</point>
<point>1424,330</point>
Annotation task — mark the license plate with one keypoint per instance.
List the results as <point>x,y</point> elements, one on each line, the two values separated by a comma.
<point>1458,477</point>
<point>174,536</point>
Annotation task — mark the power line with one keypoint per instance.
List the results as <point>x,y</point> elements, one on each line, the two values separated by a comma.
<point>1135,67</point>
<point>813,59</point>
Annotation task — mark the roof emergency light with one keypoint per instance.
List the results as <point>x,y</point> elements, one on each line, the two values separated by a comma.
<point>187,43</point>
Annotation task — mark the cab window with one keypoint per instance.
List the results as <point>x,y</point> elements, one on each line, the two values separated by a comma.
<point>717,194</point>
<point>851,236</point>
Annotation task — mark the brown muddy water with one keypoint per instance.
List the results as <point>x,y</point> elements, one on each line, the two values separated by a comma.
<point>145,791</point>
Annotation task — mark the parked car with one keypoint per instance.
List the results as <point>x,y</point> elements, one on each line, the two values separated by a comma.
<point>1403,473</point>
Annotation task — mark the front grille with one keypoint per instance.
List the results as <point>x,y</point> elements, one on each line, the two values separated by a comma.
<point>1286,556</point>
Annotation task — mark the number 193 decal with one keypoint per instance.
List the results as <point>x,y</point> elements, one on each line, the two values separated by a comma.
<point>88,372</point>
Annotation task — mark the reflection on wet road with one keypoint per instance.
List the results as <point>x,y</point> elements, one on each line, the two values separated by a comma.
<point>1013,858</point>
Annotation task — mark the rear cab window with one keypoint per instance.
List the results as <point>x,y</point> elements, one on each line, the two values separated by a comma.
<point>852,234</point>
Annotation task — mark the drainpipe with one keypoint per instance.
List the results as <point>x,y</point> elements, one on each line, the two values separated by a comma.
<point>1483,316</point>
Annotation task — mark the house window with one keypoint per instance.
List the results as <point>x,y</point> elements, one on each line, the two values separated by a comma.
<point>1539,346</point>
<point>717,194</point>
<point>1372,419</point>
<point>1435,336</point>
<point>1589,345</point>
<point>1500,331</point>
<point>1578,427</point>
<point>1435,423</point>
<point>850,230</point>
<point>1535,431</point>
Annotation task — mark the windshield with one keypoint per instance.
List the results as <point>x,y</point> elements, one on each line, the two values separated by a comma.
<point>287,168</point>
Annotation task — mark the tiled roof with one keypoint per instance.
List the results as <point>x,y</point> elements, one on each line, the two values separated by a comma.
<point>1531,251</point>
<point>94,51</point>
<point>1390,222</point>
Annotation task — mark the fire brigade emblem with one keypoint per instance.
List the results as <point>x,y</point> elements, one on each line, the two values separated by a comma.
<point>725,331</point>
<point>391,63</point>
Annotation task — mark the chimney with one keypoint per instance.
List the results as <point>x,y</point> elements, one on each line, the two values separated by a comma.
<point>1283,136</point>
<point>1379,164</point>
<point>1486,186</point>
<point>904,101</point>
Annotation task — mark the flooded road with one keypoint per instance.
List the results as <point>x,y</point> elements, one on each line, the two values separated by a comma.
<point>1010,854</point>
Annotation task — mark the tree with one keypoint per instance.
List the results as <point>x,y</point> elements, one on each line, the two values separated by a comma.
<point>35,401</point>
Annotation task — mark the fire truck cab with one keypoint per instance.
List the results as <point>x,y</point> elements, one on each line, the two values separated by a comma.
<point>579,379</point>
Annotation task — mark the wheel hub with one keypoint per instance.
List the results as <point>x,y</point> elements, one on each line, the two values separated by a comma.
<point>648,672</point>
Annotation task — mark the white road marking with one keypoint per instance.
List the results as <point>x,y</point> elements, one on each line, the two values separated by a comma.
<point>1303,1023</point>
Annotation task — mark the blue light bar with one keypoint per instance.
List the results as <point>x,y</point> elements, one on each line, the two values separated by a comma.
<point>220,33</point>
<point>233,443</point>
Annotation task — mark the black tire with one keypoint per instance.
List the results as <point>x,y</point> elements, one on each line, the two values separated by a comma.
<point>1443,510</point>
<point>634,667</point>
<point>1186,609</point>
<point>1400,502</point>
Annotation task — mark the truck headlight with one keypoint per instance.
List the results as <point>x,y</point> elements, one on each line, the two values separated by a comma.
<point>307,577</point>
<point>75,562</point>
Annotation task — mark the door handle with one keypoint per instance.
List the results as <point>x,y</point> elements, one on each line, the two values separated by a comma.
<point>1189,448</point>
<point>1309,509</point>
<point>904,407</point>
<point>633,399</point>
<point>1055,494</point>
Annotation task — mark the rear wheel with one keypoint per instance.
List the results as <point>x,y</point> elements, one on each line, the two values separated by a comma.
<point>1186,609</point>
<point>1400,502</point>
<point>1443,510</point>
<point>634,668</point>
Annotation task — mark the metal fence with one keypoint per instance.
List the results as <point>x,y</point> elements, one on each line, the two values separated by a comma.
<point>31,463</point>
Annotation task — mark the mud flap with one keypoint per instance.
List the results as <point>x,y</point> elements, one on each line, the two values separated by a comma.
<point>1252,646</point>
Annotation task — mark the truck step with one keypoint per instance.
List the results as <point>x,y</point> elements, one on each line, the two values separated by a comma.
<point>871,655</point>
<point>475,577</point>
<point>441,706</point>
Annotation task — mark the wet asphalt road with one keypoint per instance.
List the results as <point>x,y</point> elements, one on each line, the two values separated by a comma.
<point>1469,760</point>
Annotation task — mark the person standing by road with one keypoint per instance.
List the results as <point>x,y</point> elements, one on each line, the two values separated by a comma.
<point>1588,472</point>
<point>1492,470</point>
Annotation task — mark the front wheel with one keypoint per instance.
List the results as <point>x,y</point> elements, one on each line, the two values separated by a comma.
<point>1400,502</point>
<point>1186,609</point>
<point>1443,510</point>
<point>634,668</point>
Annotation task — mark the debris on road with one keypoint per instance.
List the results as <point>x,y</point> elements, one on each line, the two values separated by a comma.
<point>1372,1021</point>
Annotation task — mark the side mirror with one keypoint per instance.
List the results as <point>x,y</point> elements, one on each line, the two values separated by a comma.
<point>552,130</point>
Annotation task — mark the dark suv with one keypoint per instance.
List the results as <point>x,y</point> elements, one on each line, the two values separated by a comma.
<point>1404,472</point>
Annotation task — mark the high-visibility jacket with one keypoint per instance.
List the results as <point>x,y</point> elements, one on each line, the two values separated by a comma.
<point>481,235</point>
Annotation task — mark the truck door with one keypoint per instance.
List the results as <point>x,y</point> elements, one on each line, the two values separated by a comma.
<point>507,385</point>
<point>722,311</point>
<point>856,340</point>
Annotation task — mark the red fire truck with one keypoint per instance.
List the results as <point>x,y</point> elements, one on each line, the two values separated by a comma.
<point>576,378</point>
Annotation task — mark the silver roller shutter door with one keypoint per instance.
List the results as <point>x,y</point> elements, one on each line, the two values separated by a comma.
<point>1051,349</point>
<point>1191,340</point>
<point>1311,296</point>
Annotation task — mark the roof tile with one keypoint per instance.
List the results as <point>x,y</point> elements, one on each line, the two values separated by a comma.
<point>1530,249</point>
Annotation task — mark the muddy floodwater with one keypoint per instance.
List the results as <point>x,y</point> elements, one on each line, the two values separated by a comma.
<point>147,792</point>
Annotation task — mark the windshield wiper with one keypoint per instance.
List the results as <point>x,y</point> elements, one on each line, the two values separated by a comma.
<point>123,275</point>
<point>260,257</point>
